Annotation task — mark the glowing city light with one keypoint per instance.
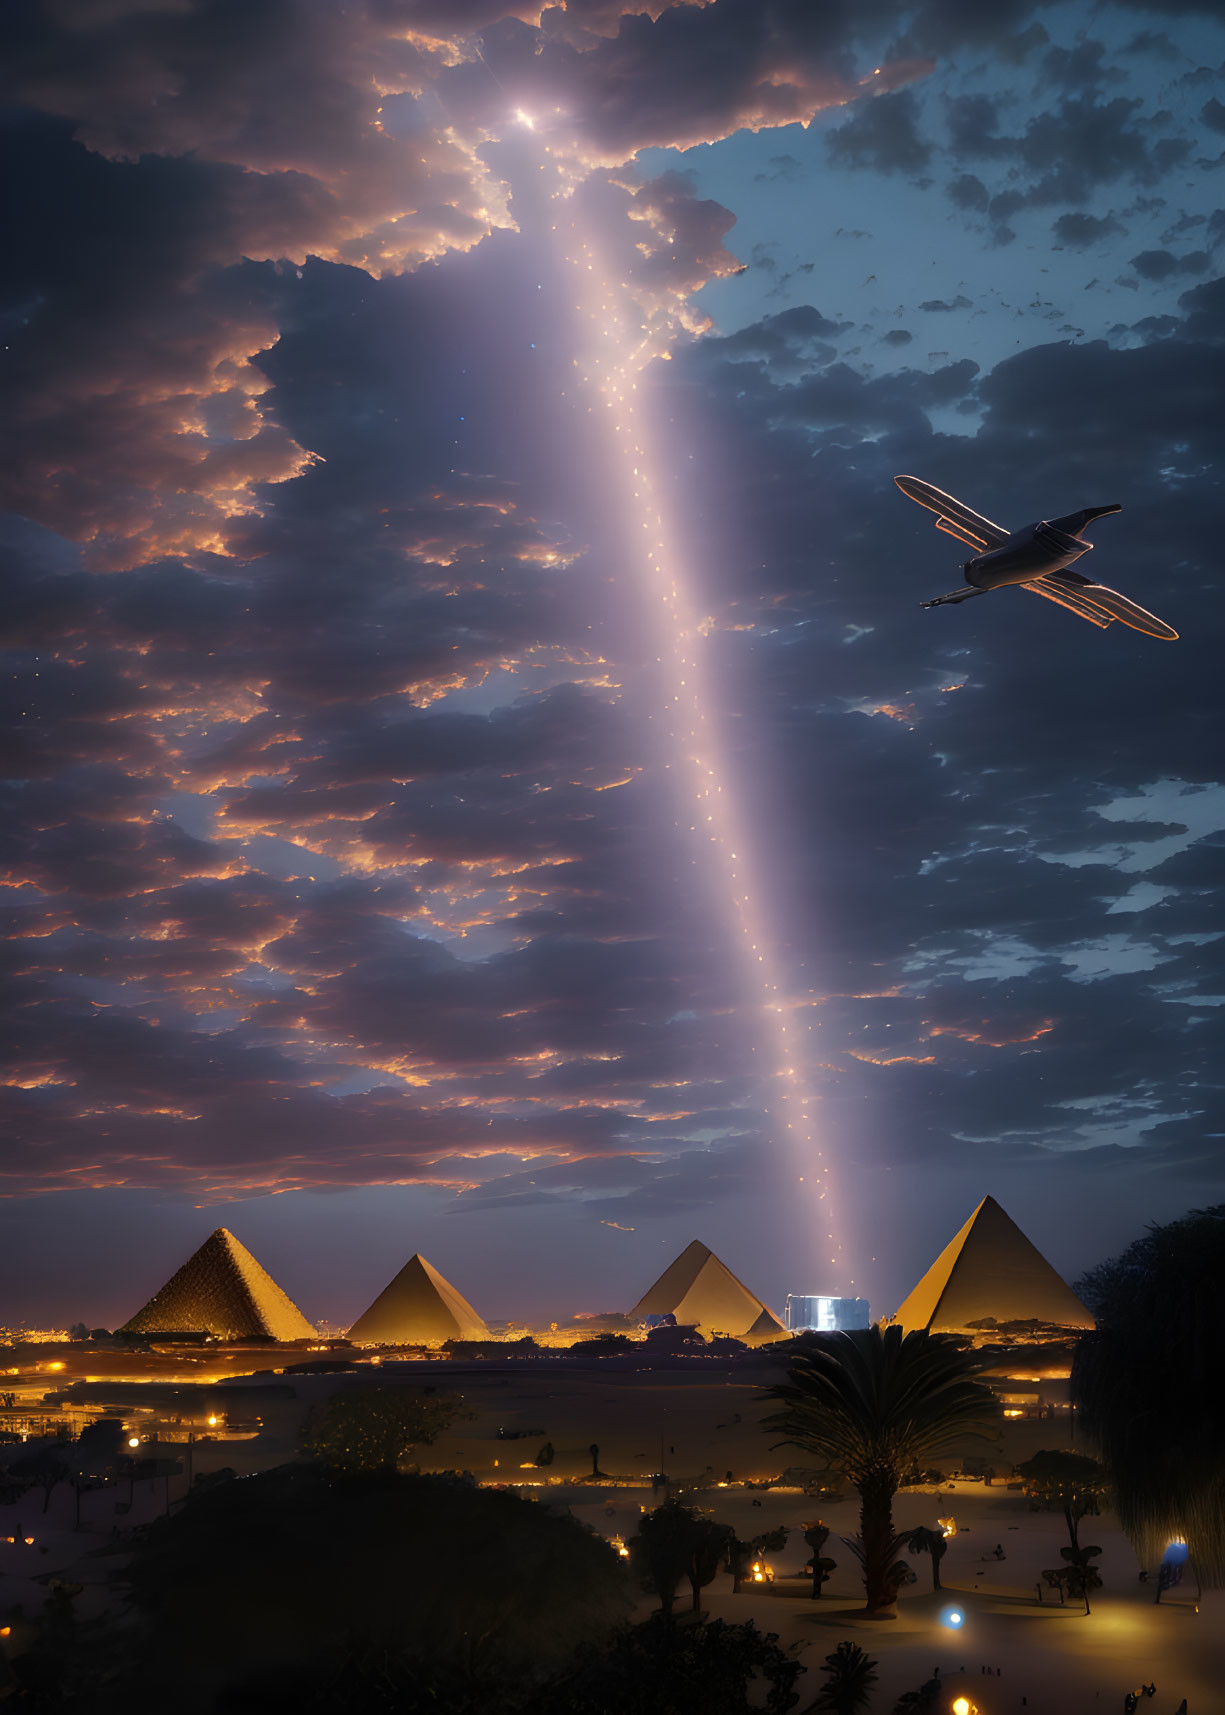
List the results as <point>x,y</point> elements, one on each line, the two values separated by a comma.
<point>953,1617</point>
<point>621,344</point>
<point>133,1440</point>
<point>962,1706</point>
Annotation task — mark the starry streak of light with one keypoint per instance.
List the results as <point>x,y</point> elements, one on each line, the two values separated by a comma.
<point>621,347</point>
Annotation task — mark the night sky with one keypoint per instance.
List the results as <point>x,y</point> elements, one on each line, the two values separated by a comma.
<point>358,892</point>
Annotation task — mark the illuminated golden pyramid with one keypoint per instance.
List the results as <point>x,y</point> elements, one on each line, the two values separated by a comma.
<point>702,1292</point>
<point>991,1270</point>
<point>418,1308</point>
<point>222,1290</point>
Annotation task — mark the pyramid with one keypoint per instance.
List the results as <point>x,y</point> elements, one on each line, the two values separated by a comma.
<point>419,1308</point>
<point>702,1292</point>
<point>222,1290</point>
<point>991,1269</point>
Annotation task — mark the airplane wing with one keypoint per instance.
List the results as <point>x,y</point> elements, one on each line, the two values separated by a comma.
<point>1098,604</point>
<point>953,516</point>
<point>1074,602</point>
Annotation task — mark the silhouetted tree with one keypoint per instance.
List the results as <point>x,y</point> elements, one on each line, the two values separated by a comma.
<point>40,1469</point>
<point>816,1536</point>
<point>373,1428</point>
<point>850,1674</point>
<point>53,1666</point>
<point>876,1402</point>
<point>710,1544</point>
<point>1138,1383</point>
<point>660,1669</point>
<point>923,1540</point>
<point>100,1447</point>
<point>1070,1481</point>
<point>925,1701</point>
<point>304,1578</point>
<point>1079,1576</point>
<point>674,1542</point>
<point>546,1454</point>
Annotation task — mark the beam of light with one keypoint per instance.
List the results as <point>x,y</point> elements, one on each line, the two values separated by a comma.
<point>619,348</point>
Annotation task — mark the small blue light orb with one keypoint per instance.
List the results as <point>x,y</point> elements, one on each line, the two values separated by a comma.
<point>953,1617</point>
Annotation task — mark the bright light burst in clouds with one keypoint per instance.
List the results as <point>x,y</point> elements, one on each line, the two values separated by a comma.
<point>618,347</point>
<point>357,836</point>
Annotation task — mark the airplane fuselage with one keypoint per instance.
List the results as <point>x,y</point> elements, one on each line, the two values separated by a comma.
<point>1035,551</point>
<point>1029,553</point>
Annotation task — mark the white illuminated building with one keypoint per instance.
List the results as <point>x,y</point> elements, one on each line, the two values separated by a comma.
<point>827,1315</point>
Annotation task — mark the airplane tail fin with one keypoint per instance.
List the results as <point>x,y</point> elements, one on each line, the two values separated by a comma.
<point>1074,522</point>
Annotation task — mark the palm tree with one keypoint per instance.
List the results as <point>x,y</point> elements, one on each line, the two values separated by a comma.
<point>1140,1386</point>
<point>875,1403</point>
<point>922,1540</point>
<point>850,1675</point>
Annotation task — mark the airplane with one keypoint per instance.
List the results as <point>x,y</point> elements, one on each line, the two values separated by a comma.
<point>1037,558</point>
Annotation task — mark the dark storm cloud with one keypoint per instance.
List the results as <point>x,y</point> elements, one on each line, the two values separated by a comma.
<point>686,75</point>
<point>1162,265</point>
<point>883,135</point>
<point>968,191</point>
<point>1079,231</point>
<point>1154,43</point>
<point>789,342</point>
<point>1078,141</point>
<point>1080,67</point>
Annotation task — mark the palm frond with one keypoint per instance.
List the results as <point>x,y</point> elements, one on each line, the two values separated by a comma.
<point>873,1399</point>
